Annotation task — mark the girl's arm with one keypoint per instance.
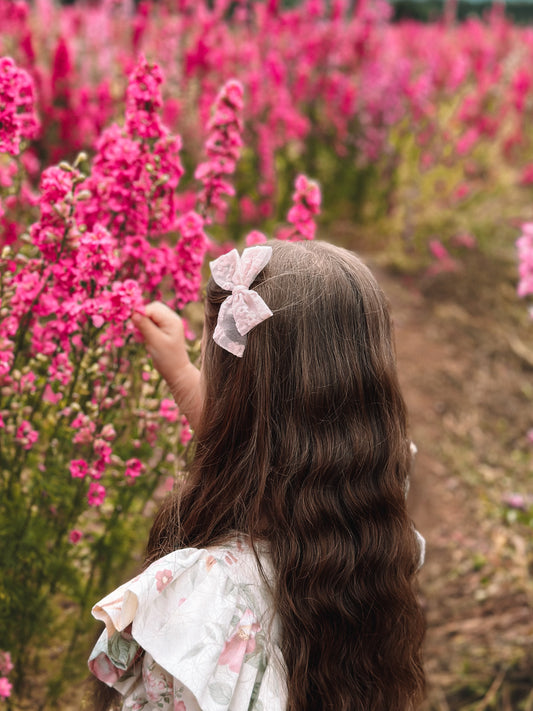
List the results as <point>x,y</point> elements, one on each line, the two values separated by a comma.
<point>162,330</point>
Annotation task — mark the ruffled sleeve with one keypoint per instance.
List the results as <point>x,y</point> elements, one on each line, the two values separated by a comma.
<point>203,617</point>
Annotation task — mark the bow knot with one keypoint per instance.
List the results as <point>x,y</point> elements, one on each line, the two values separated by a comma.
<point>244,308</point>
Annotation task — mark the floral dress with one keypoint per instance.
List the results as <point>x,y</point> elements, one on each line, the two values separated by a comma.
<point>193,632</point>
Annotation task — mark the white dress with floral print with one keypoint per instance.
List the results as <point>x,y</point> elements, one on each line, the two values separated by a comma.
<point>193,632</point>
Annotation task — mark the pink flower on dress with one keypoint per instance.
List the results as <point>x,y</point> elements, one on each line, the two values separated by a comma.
<point>242,642</point>
<point>179,706</point>
<point>104,670</point>
<point>163,578</point>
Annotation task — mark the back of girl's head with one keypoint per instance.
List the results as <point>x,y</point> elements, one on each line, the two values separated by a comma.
<point>317,381</point>
<point>303,444</point>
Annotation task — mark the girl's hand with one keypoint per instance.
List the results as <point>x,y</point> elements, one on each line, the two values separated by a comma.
<point>162,330</point>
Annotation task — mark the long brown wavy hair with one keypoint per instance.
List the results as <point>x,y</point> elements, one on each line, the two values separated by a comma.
<point>303,444</point>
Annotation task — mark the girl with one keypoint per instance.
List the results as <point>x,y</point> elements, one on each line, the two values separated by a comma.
<point>281,576</point>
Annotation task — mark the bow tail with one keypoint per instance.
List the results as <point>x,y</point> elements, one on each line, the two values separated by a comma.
<point>226,334</point>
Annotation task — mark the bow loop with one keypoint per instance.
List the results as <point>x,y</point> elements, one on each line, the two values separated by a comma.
<point>244,309</point>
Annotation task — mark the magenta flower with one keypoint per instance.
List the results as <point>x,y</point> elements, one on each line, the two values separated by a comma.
<point>96,494</point>
<point>78,468</point>
<point>17,115</point>
<point>75,536</point>
<point>255,237</point>
<point>5,687</point>
<point>185,434</point>
<point>26,435</point>
<point>134,468</point>
<point>223,149</point>
<point>143,99</point>
<point>306,205</point>
<point>168,410</point>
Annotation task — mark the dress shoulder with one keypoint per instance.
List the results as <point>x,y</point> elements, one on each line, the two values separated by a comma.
<point>204,617</point>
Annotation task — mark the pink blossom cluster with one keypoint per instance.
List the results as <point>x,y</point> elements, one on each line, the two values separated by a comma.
<point>111,235</point>
<point>223,148</point>
<point>18,120</point>
<point>306,206</point>
<point>321,77</point>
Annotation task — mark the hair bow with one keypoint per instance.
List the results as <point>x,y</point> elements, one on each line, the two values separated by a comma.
<point>244,309</point>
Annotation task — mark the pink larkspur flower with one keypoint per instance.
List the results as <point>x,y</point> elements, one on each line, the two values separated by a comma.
<point>185,434</point>
<point>5,687</point>
<point>17,116</point>
<point>78,468</point>
<point>223,148</point>
<point>75,536</point>
<point>134,468</point>
<point>306,206</point>
<point>168,410</point>
<point>143,99</point>
<point>255,237</point>
<point>26,435</point>
<point>96,494</point>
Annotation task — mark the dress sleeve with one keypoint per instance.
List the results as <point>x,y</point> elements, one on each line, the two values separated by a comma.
<point>200,625</point>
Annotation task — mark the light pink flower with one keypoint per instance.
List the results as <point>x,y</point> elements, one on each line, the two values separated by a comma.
<point>242,642</point>
<point>163,578</point>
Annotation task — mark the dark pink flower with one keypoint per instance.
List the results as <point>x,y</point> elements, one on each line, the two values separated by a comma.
<point>26,435</point>
<point>96,494</point>
<point>75,536</point>
<point>78,468</point>
<point>134,468</point>
<point>5,687</point>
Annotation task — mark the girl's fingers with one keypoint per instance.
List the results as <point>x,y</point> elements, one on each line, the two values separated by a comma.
<point>147,327</point>
<point>163,317</point>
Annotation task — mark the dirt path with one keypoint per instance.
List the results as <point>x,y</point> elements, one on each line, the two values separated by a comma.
<point>465,356</point>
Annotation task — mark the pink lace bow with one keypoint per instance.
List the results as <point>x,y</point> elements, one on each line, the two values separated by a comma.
<point>244,309</point>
